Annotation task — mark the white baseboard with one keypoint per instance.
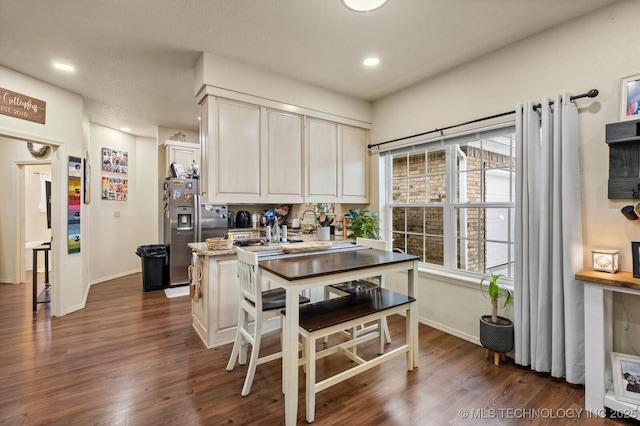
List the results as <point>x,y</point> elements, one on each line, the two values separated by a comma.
<point>449,330</point>
<point>113,277</point>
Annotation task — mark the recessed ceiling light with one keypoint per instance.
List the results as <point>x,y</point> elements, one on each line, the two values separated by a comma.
<point>363,5</point>
<point>63,67</point>
<point>371,62</point>
<point>125,129</point>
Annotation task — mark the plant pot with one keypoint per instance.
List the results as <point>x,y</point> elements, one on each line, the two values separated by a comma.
<point>496,337</point>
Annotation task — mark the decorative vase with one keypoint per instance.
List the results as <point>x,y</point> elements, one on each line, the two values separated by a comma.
<point>496,337</point>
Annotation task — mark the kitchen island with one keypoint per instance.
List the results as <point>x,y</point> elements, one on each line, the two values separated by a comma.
<point>215,289</point>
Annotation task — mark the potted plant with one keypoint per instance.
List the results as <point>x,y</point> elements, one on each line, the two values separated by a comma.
<point>496,332</point>
<point>363,224</point>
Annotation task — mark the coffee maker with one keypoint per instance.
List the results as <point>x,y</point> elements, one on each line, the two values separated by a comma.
<point>243,219</point>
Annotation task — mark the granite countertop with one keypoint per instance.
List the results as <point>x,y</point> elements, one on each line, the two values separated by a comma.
<point>202,250</point>
<point>273,248</point>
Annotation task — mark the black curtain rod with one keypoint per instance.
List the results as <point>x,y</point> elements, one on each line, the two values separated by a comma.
<point>590,94</point>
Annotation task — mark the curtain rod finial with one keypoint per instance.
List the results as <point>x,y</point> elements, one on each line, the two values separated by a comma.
<point>592,93</point>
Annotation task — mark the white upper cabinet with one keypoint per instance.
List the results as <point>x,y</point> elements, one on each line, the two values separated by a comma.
<point>233,152</point>
<point>183,153</point>
<point>282,157</point>
<point>336,163</point>
<point>355,170</point>
<point>257,154</point>
<point>321,161</point>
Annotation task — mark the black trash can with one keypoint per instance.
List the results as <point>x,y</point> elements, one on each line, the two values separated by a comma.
<point>155,269</point>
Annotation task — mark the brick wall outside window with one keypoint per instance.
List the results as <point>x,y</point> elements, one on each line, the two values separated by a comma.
<point>426,184</point>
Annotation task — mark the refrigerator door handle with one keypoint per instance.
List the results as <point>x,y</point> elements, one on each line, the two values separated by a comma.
<point>197,207</point>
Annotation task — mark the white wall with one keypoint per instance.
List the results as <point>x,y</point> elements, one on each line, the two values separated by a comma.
<point>215,71</point>
<point>64,129</point>
<point>164,133</point>
<point>119,227</point>
<point>35,220</point>
<point>594,51</point>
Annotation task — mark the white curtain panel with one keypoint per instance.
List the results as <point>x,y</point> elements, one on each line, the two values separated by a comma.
<point>548,301</point>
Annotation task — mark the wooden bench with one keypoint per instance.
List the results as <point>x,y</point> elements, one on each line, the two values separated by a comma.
<point>321,319</point>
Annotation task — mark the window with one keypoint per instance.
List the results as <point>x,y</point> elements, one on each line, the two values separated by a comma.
<point>452,201</point>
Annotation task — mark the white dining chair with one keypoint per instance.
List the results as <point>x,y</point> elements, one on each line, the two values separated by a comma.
<point>351,287</point>
<point>257,305</point>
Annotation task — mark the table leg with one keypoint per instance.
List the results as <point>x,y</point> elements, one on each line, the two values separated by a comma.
<point>597,345</point>
<point>413,312</point>
<point>35,280</point>
<point>46,267</point>
<point>290,357</point>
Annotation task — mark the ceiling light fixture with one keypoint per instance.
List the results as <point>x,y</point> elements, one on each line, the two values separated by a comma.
<point>371,62</point>
<point>63,67</point>
<point>363,5</point>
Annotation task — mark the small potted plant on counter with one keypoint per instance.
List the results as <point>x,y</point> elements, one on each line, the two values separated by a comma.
<point>496,332</point>
<point>362,224</point>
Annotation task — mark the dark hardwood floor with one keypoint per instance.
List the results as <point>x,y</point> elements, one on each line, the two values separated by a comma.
<point>132,358</point>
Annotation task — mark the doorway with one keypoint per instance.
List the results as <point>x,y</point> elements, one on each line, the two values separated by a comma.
<point>15,154</point>
<point>36,216</point>
<point>33,224</point>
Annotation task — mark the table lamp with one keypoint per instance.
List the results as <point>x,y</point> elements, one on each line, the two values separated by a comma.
<point>604,260</point>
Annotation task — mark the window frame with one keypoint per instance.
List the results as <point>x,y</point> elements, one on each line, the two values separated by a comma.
<point>452,204</point>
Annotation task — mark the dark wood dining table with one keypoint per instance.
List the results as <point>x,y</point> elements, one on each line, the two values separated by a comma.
<point>298,273</point>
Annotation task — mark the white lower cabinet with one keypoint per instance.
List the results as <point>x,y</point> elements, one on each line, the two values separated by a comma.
<point>215,314</point>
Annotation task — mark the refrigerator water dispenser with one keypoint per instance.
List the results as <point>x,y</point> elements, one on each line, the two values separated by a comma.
<point>185,218</point>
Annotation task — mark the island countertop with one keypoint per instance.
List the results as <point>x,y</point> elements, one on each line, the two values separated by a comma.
<point>201,249</point>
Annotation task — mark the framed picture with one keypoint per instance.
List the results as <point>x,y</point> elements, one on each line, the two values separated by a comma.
<point>626,377</point>
<point>114,188</point>
<point>630,98</point>
<point>115,161</point>
<point>635,256</point>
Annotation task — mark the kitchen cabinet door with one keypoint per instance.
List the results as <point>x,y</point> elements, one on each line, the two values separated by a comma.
<point>228,298</point>
<point>233,152</point>
<point>354,171</point>
<point>282,157</point>
<point>321,161</point>
<point>182,153</point>
<point>200,308</point>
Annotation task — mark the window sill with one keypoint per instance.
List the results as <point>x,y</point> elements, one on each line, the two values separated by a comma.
<point>454,278</point>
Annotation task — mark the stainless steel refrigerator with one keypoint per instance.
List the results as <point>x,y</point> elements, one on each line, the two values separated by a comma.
<point>187,221</point>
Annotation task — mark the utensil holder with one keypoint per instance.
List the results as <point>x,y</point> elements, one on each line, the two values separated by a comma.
<point>323,233</point>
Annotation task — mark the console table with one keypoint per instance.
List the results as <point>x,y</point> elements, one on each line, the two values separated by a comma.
<point>44,296</point>
<point>598,323</point>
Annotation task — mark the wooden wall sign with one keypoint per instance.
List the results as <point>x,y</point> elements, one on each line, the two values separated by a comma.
<point>21,106</point>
